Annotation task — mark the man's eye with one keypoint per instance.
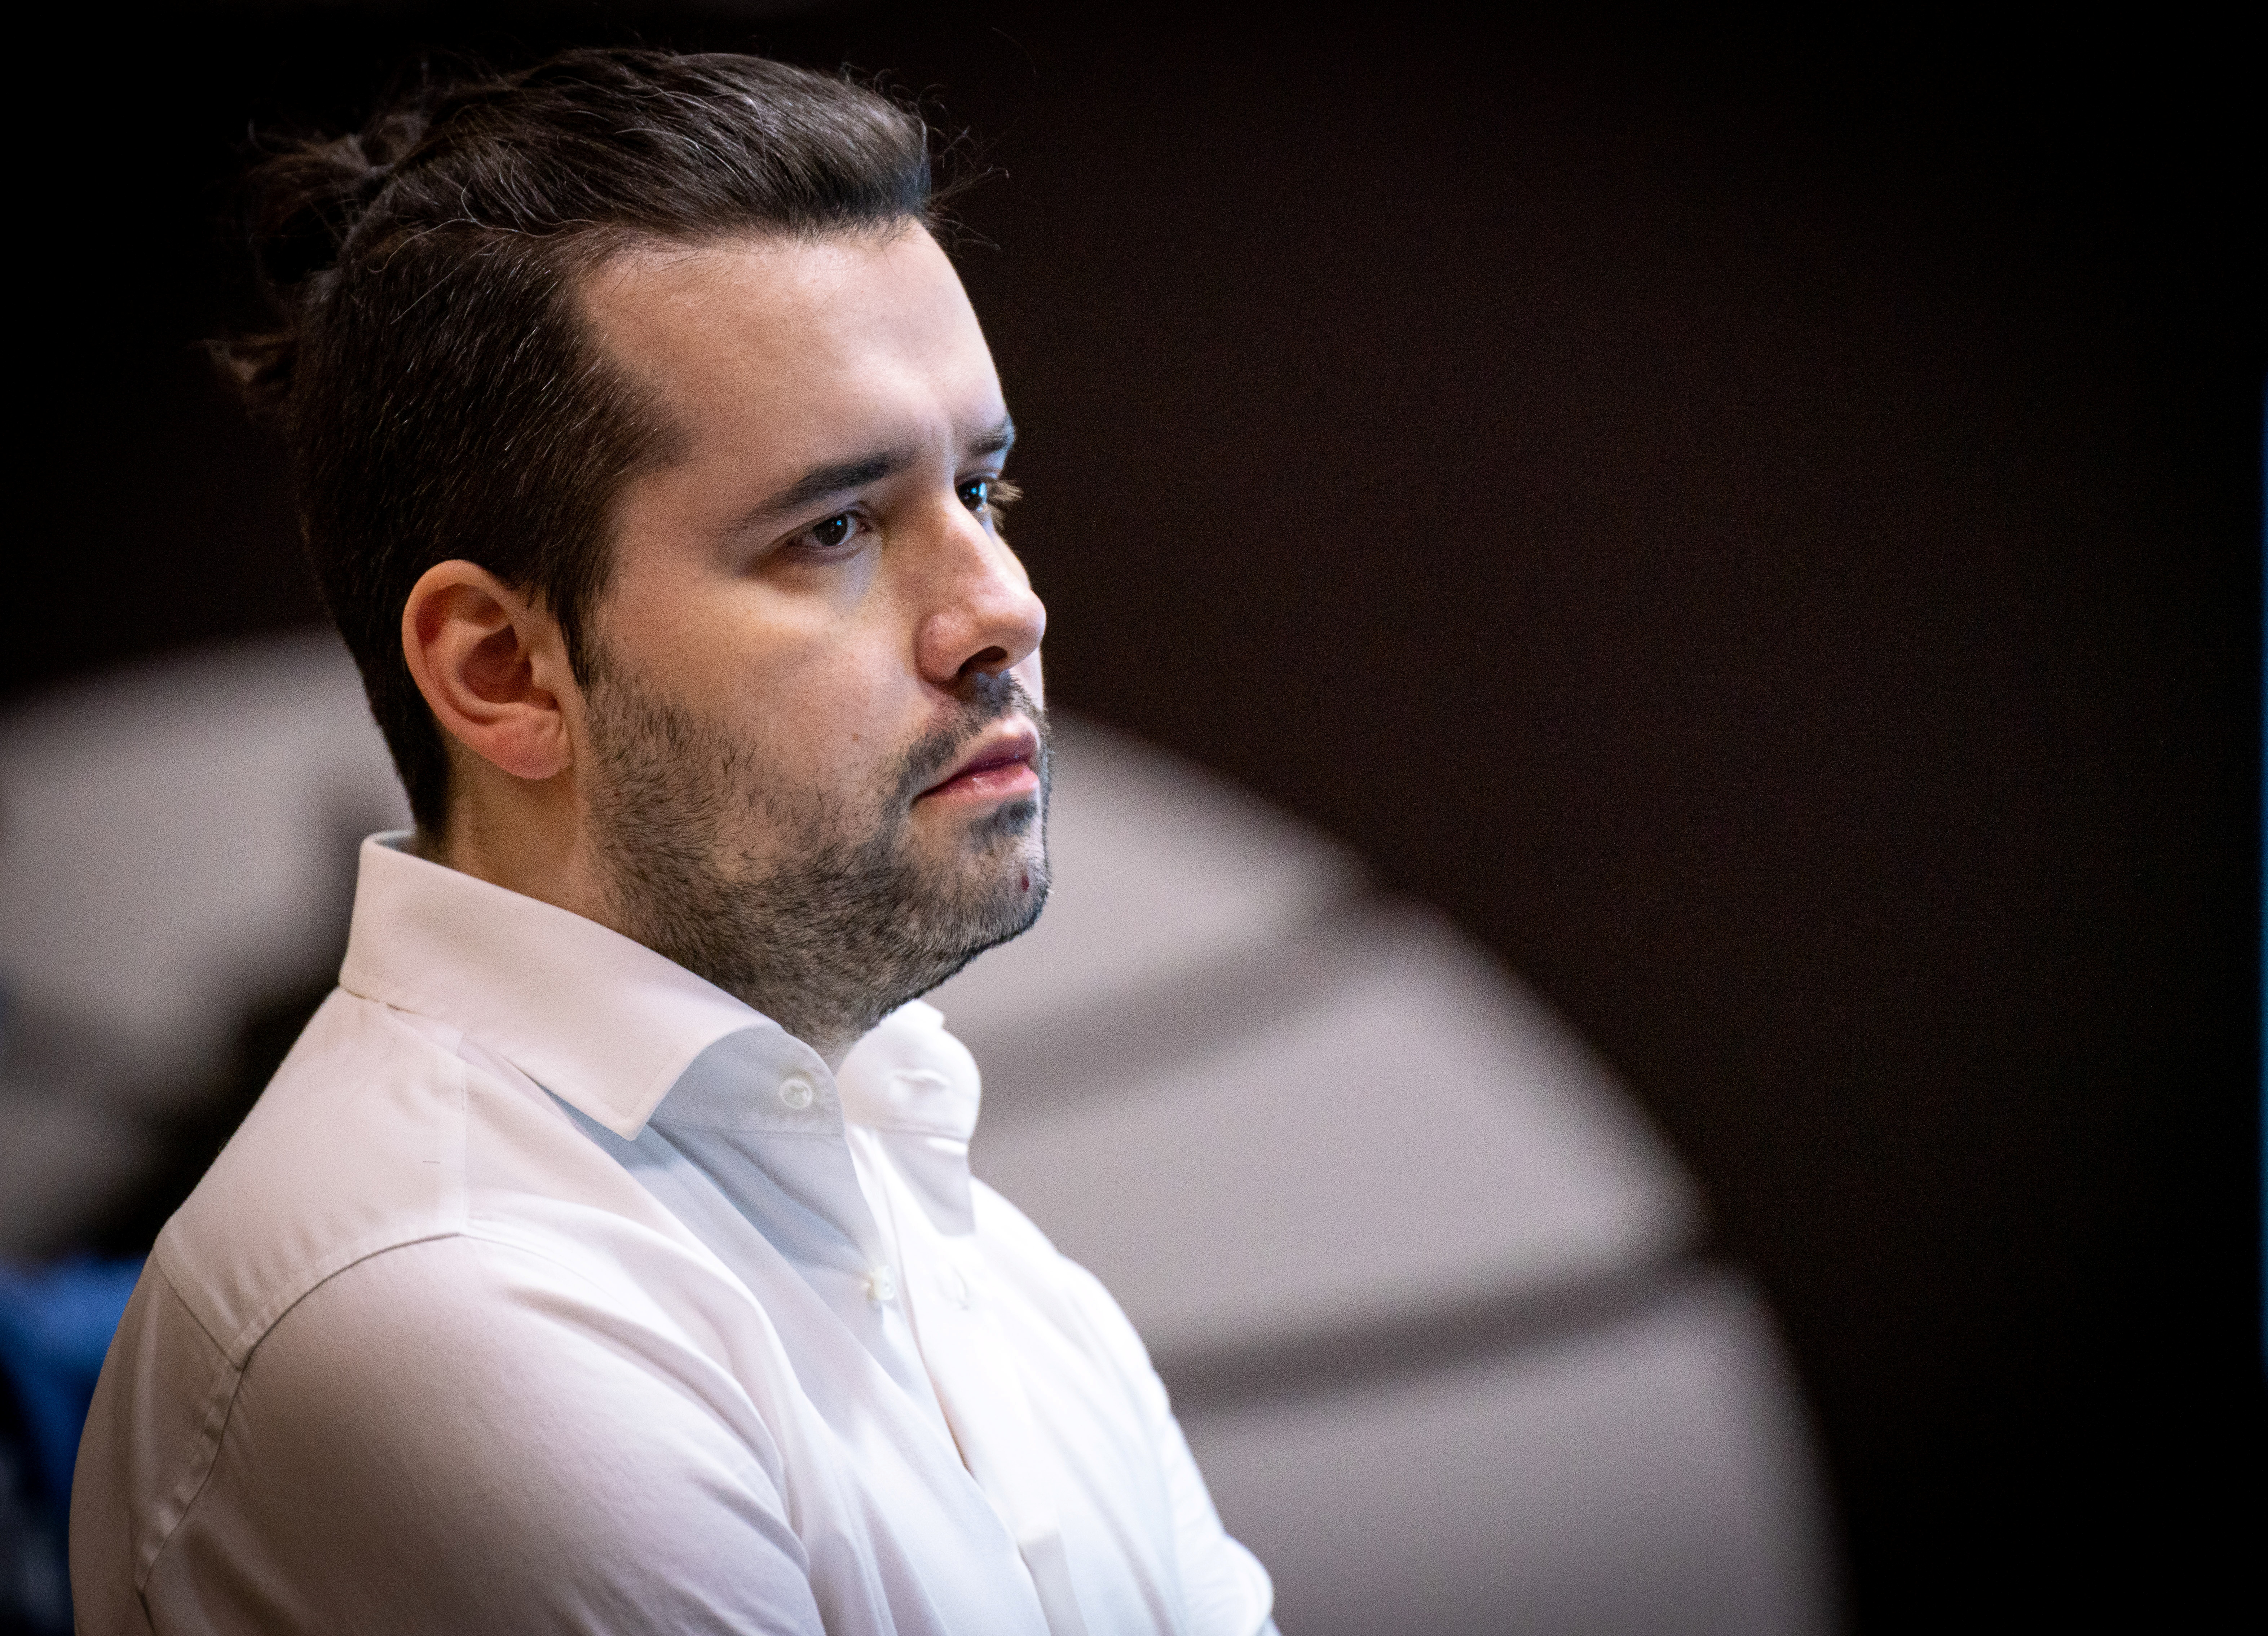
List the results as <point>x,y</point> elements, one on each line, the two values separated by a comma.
<point>987,494</point>
<point>829,534</point>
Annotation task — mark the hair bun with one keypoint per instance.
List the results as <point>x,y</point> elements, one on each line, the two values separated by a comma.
<point>302,204</point>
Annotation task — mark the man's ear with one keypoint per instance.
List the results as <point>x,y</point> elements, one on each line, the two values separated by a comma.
<point>492,667</point>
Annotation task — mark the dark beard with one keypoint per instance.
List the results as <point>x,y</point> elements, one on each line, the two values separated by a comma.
<point>842,925</point>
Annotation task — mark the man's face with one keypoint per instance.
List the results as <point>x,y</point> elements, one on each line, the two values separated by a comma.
<point>813,759</point>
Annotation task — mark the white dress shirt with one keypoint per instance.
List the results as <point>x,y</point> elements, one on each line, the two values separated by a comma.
<point>547,1287</point>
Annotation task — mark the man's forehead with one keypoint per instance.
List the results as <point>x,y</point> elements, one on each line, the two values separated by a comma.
<point>771,301</point>
<point>800,350</point>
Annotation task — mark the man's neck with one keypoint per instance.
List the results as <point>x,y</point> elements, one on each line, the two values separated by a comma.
<point>563,870</point>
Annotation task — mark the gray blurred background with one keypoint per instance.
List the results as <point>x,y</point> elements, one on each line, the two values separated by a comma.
<point>1754,530</point>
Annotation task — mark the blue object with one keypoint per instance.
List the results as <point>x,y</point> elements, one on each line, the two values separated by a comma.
<point>55,1325</point>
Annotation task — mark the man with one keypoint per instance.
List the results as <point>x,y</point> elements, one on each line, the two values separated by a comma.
<point>604,1256</point>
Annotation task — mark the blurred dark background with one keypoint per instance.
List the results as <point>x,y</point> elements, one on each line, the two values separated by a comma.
<point>1760,523</point>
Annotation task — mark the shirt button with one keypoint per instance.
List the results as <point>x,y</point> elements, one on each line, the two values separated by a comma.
<point>796,1093</point>
<point>956,1287</point>
<point>881,1285</point>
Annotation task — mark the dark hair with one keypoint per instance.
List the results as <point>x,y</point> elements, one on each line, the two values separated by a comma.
<point>431,369</point>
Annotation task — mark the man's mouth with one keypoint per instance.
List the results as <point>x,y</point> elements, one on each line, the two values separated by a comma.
<point>1002,764</point>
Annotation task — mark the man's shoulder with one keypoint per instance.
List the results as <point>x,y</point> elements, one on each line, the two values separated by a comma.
<point>384,1128</point>
<point>356,1145</point>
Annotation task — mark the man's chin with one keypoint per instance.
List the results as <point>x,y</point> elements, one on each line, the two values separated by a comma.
<point>1019,892</point>
<point>997,897</point>
<point>980,918</point>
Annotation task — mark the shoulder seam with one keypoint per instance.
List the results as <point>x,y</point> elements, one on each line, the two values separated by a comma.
<point>221,1406</point>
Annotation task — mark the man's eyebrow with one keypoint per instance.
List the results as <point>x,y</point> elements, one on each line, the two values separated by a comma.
<point>821,481</point>
<point>841,477</point>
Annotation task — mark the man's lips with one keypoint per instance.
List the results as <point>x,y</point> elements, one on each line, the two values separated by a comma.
<point>1003,762</point>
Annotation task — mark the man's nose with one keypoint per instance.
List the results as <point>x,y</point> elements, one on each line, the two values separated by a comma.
<point>984,617</point>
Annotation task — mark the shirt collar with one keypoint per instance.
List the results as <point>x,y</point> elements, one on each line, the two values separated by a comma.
<point>908,1074</point>
<point>611,1028</point>
<point>602,1022</point>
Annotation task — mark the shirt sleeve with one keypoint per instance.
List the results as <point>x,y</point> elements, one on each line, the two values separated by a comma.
<point>454,1436</point>
<point>1229,1593</point>
<point>1225,1589</point>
